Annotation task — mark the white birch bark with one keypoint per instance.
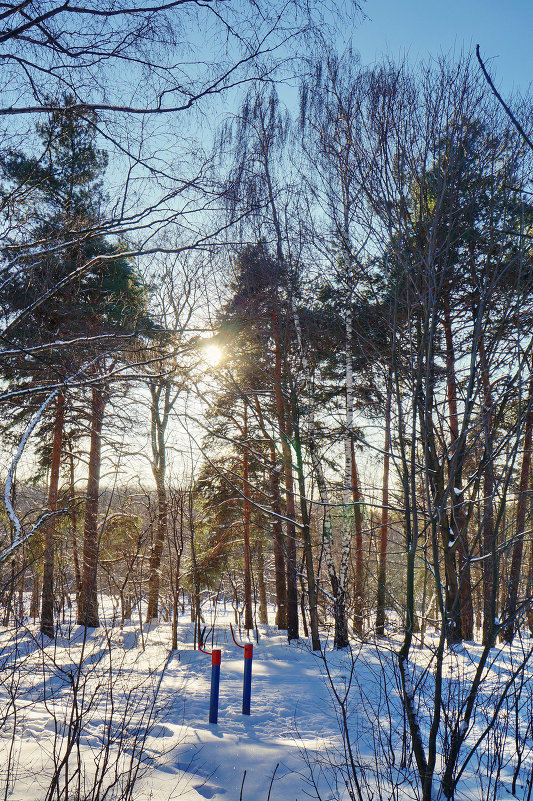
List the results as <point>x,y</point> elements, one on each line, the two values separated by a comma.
<point>347,489</point>
<point>20,537</point>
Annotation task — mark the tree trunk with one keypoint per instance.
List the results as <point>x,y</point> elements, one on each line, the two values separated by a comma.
<point>458,522</point>
<point>292,587</point>
<point>35,593</point>
<point>384,528</point>
<point>341,628</point>
<point>521,509</point>
<point>435,473</point>
<point>178,546</point>
<point>308,546</point>
<point>338,590</point>
<point>263,604</point>
<point>290,535</point>
<point>154,580</point>
<point>279,544</point>
<point>248,611</point>
<point>157,435</point>
<point>490,588</point>
<point>47,603</point>
<point>88,600</point>
<point>195,600</point>
<point>454,632</point>
<point>348,512</point>
<point>277,526</point>
<point>74,526</point>
<point>359,600</point>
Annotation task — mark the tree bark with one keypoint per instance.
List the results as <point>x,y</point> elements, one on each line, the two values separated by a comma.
<point>290,534</point>
<point>340,612</point>
<point>359,600</point>
<point>340,638</point>
<point>490,588</point>
<point>74,526</point>
<point>178,547</point>
<point>47,602</point>
<point>277,526</point>
<point>88,600</point>
<point>154,580</point>
<point>158,428</point>
<point>436,480</point>
<point>263,604</point>
<point>339,589</point>
<point>279,544</point>
<point>384,528</point>
<point>458,522</point>
<point>35,593</point>
<point>521,509</point>
<point>248,610</point>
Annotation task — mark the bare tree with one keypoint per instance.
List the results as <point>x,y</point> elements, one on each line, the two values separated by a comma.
<point>168,369</point>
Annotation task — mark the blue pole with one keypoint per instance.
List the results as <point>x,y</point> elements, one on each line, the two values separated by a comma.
<point>215,682</point>
<point>247,684</point>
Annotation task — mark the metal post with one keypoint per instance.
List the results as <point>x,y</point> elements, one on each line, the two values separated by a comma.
<point>215,682</point>
<point>247,684</point>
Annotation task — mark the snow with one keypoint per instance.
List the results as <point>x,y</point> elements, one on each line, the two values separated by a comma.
<point>186,757</point>
<point>133,696</point>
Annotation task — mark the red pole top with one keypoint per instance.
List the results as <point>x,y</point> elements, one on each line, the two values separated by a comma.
<point>216,657</point>
<point>248,651</point>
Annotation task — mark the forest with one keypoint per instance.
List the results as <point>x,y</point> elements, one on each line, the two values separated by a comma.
<point>266,355</point>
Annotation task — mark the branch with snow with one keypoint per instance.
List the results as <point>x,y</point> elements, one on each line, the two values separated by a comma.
<point>20,537</point>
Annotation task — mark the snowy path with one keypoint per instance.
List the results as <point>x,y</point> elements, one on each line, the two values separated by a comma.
<point>190,759</point>
<point>291,709</point>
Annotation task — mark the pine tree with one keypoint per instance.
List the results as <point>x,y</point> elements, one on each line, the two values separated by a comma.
<point>69,284</point>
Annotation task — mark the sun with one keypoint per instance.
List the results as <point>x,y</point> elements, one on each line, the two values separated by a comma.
<point>212,354</point>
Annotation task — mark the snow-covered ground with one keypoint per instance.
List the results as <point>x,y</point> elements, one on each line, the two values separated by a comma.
<point>121,708</point>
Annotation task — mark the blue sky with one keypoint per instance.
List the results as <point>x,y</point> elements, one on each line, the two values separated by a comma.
<point>418,29</point>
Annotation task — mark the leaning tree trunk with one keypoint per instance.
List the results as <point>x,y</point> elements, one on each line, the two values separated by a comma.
<point>521,509</point>
<point>88,600</point>
<point>47,603</point>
